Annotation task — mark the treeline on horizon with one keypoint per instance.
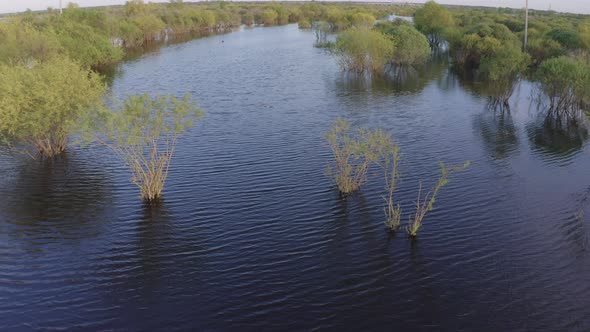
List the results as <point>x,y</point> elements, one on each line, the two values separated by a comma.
<point>97,37</point>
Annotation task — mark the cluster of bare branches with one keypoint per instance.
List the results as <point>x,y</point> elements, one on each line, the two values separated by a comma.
<point>355,154</point>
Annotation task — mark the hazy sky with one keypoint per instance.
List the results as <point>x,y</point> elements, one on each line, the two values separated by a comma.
<point>576,6</point>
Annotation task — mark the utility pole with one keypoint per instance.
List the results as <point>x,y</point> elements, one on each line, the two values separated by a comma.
<point>526,24</point>
<point>61,10</point>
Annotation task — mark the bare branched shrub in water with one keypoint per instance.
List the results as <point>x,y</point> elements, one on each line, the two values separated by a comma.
<point>144,134</point>
<point>353,154</point>
<point>390,163</point>
<point>426,204</point>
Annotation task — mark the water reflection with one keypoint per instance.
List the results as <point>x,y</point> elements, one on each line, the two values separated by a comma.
<point>497,93</point>
<point>155,240</point>
<point>497,129</point>
<point>396,80</point>
<point>557,135</point>
<point>63,197</point>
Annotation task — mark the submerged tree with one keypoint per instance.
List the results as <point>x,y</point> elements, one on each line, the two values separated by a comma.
<point>364,50</point>
<point>432,20</point>
<point>502,71</point>
<point>144,134</point>
<point>565,81</point>
<point>353,154</point>
<point>411,47</point>
<point>42,104</point>
<point>321,30</point>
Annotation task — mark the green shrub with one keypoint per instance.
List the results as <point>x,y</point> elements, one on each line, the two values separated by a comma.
<point>144,133</point>
<point>432,20</point>
<point>565,81</point>
<point>270,17</point>
<point>353,154</point>
<point>22,43</point>
<point>86,45</point>
<point>362,20</point>
<point>304,24</point>
<point>42,104</point>
<point>411,46</point>
<point>364,50</point>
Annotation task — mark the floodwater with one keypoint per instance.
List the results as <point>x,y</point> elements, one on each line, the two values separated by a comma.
<point>253,236</point>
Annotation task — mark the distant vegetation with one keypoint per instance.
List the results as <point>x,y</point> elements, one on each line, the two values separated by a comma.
<point>99,36</point>
<point>486,43</point>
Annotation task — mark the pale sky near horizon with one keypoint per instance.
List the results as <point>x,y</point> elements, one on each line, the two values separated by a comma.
<point>573,6</point>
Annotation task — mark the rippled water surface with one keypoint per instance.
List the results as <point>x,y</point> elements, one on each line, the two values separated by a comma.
<point>253,236</point>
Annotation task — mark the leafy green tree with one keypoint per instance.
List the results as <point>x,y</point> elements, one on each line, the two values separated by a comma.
<point>42,104</point>
<point>472,48</point>
<point>362,20</point>
<point>22,43</point>
<point>270,17</point>
<point>336,17</point>
<point>364,50</point>
<point>432,20</point>
<point>144,133</point>
<point>565,81</point>
<point>151,27</point>
<point>496,30</point>
<point>502,70</point>
<point>304,24</point>
<point>87,45</point>
<point>411,46</point>
<point>135,7</point>
<point>569,39</point>
<point>505,65</point>
<point>542,49</point>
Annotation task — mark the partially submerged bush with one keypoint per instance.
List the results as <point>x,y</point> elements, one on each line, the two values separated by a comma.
<point>502,70</point>
<point>42,104</point>
<point>353,154</point>
<point>364,50</point>
<point>565,81</point>
<point>390,164</point>
<point>362,20</point>
<point>321,30</point>
<point>411,46</point>
<point>144,133</point>
<point>432,20</point>
<point>304,24</point>
<point>426,204</point>
<point>270,17</point>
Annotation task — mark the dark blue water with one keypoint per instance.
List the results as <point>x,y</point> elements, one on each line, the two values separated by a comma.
<point>253,236</point>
